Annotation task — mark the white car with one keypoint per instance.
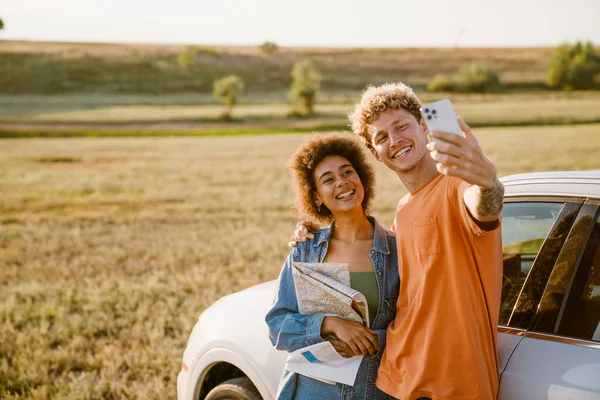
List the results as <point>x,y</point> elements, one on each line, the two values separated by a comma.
<point>549,327</point>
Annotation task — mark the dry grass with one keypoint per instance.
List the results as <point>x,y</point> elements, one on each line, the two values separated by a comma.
<point>478,110</point>
<point>46,68</point>
<point>111,248</point>
<point>429,58</point>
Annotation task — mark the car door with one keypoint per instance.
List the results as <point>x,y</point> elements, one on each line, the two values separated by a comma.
<point>557,316</point>
<point>533,231</point>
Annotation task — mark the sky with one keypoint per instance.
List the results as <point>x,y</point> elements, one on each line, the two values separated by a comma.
<point>347,23</point>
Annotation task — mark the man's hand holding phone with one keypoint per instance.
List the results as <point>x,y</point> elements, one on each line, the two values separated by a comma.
<point>460,155</point>
<point>454,146</point>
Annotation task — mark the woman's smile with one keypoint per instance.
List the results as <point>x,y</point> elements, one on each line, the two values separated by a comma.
<point>346,195</point>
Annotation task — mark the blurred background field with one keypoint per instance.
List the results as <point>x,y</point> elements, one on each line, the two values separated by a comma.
<point>56,68</point>
<point>63,87</point>
<point>111,248</point>
<point>478,109</point>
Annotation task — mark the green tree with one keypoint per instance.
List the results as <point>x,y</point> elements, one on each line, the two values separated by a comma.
<point>1,24</point>
<point>306,82</point>
<point>187,57</point>
<point>441,83</point>
<point>573,67</point>
<point>227,90</point>
<point>560,65</point>
<point>583,72</point>
<point>269,48</point>
<point>477,77</point>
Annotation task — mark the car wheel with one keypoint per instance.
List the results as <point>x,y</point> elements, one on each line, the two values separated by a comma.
<point>234,389</point>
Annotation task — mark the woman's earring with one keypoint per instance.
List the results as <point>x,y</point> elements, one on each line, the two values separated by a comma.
<point>318,207</point>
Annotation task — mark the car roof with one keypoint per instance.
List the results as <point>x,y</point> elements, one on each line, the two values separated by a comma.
<point>558,183</point>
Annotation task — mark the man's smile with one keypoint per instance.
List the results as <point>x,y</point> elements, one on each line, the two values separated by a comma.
<point>402,152</point>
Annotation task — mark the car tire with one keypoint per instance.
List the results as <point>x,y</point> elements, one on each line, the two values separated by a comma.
<point>234,389</point>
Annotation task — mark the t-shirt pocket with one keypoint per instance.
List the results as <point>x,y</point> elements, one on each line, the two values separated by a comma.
<point>426,236</point>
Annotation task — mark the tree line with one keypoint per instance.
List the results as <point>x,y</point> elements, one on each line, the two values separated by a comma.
<point>572,67</point>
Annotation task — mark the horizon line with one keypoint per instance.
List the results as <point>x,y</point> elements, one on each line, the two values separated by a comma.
<point>303,46</point>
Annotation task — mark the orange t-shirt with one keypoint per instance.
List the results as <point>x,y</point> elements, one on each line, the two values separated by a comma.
<point>443,342</point>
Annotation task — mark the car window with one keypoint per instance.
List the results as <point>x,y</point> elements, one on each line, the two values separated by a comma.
<point>564,265</point>
<point>581,316</point>
<point>525,226</point>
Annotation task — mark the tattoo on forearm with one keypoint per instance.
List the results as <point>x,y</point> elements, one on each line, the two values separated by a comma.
<point>491,200</point>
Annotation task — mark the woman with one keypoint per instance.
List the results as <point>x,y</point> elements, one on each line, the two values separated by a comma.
<point>335,185</point>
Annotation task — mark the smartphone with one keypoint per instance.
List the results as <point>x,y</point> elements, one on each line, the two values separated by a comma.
<point>440,116</point>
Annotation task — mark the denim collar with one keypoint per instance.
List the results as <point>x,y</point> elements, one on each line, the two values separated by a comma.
<point>380,242</point>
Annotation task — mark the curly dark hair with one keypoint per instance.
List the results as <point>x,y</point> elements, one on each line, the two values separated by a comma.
<point>304,161</point>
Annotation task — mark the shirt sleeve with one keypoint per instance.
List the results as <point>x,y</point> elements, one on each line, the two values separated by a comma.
<point>398,207</point>
<point>288,329</point>
<point>456,195</point>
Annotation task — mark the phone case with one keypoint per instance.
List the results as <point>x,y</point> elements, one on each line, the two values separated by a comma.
<point>440,116</point>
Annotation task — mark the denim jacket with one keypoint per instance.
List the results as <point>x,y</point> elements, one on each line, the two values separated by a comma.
<point>289,330</point>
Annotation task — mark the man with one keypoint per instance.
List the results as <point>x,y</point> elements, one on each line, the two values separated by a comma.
<point>443,342</point>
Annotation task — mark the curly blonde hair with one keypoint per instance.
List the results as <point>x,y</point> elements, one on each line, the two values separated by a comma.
<point>304,161</point>
<point>375,100</point>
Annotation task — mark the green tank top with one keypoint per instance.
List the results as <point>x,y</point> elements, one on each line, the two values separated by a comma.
<point>366,283</point>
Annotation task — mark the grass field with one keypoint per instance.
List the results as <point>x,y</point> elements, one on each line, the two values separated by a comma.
<point>73,116</point>
<point>111,248</point>
<point>70,89</point>
<point>53,68</point>
<point>516,109</point>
